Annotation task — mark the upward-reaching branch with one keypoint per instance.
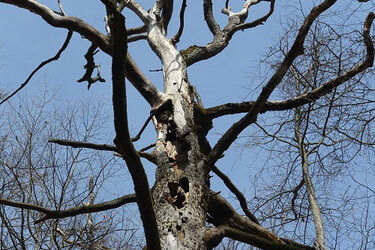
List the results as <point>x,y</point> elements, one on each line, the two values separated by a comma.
<point>122,140</point>
<point>297,48</point>
<point>311,96</point>
<point>221,39</point>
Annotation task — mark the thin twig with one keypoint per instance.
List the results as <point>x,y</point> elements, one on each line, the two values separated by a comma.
<point>80,144</point>
<point>55,58</point>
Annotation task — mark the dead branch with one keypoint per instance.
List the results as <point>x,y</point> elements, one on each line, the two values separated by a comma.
<point>177,37</point>
<point>209,17</point>
<point>90,66</point>
<point>311,96</point>
<point>241,198</point>
<point>297,48</point>
<point>55,58</point>
<point>122,140</point>
<point>235,226</point>
<point>84,209</point>
<point>80,144</point>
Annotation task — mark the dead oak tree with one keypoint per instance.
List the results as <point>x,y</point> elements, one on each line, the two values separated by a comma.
<point>175,212</point>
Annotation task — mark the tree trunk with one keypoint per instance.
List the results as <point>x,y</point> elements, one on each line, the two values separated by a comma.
<point>181,189</point>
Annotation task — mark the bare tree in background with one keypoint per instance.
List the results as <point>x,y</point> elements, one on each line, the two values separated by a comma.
<point>317,146</point>
<point>176,211</point>
<point>36,172</point>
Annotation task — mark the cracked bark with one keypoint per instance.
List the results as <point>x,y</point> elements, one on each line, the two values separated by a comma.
<point>180,191</point>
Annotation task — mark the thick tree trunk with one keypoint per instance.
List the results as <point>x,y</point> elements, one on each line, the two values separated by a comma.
<point>181,189</point>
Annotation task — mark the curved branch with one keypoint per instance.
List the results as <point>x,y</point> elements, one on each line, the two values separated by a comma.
<point>237,227</point>
<point>209,17</point>
<point>221,38</point>
<point>68,22</point>
<point>177,37</point>
<point>134,74</point>
<point>167,7</point>
<point>138,10</point>
<point>55,58</point>
<point>85,209</point>
<point>241,198</point>
<point>297,48</point>
<point>260,242</point>
<point>257,22</point>
<point>313,95</point>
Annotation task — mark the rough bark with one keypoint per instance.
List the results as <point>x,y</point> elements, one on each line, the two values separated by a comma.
<point>180,191</point>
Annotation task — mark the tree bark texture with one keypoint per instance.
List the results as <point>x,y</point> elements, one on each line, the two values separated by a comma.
<point>181,188</point>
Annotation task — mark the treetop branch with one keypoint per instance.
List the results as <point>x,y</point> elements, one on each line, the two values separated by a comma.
<point>297,48</point>
<point>222,38</point>
<point>311,96</point>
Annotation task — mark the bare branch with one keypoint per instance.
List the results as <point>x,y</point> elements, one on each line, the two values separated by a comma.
<point>122,140</point>
<point>241,198</point>
<point>313,201</point>
<point>133,73</point>
<point>297,48</point>
<point>55,58</point>
<point>224,216</point>
<point>61,7</point>
<point>144,86</point>
<point>147,147</point>
<point>138,10</point>
<point>80,144</point>
<point>92,208</point>
<point>136,30</point>
<point>222,38</point>
<point>311,96</point>
<point>260,242</point>
<point>132,39</point>
<point>257,22</point>
<point>54,214</point>
<point>24,205</point>
<point>209,17</point>
<point>90,66</point>
<point>67,22</point>
<point>166,14</point>
<point>177,37</point>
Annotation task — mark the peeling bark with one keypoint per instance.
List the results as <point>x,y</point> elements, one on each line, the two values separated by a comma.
<point>180,191</point>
